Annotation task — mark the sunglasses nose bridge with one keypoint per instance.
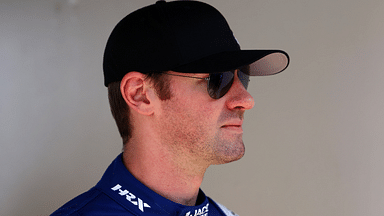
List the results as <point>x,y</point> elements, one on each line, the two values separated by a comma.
<point>237,81</point>
<point>238,96</point>
<point>245,78</point>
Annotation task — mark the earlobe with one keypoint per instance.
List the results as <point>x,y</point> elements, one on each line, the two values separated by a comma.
<point>136,93</point>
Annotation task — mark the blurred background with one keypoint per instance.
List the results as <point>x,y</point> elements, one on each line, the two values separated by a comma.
<point>314,139</point>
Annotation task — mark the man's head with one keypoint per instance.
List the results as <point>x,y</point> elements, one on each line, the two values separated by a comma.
<point>169,40</point>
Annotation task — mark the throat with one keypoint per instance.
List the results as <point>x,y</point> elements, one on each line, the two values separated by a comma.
<point>172,181</point>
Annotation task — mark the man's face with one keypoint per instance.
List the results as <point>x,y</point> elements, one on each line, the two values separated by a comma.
<point>200,128</point>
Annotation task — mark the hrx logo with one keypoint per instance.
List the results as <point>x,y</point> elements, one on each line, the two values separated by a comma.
<point>131,198</point>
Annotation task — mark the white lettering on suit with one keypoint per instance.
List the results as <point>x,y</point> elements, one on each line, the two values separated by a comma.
<point>131,198</point>
<point>199,212</point>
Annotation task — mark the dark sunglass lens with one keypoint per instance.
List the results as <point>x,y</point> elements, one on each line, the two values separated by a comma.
<point>219,84</point>
<point>244,78</point>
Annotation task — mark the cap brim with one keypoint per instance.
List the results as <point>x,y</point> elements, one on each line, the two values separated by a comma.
<point>261,62</point>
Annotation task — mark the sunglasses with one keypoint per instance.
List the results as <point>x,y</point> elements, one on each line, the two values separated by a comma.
<point>220,83</point>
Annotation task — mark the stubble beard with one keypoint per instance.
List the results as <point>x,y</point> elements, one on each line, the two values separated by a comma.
<point>219,149</point>
<point>206,144</point>
<point>229,149</point>
<point>199,148</point>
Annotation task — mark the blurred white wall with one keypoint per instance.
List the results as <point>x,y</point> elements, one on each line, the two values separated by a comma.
<point>314,138</point>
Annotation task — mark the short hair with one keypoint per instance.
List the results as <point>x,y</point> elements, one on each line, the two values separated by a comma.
<point>120,109</point>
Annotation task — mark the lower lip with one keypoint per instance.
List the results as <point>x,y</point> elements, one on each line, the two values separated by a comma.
<point>237,129</point>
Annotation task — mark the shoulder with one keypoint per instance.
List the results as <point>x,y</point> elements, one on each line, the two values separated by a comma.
<point>92,202</point>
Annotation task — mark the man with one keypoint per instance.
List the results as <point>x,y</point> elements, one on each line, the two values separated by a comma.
<point>177,81</point>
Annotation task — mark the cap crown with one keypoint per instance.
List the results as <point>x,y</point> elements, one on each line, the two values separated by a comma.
<point>164,36</point>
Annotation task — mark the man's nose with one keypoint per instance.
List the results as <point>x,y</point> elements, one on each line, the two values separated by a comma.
<point>238,97</point>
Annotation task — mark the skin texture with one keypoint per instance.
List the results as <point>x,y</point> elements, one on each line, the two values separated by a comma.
<point>176,140</point>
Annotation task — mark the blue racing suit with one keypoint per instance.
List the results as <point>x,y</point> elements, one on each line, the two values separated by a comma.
<point>120,193</point>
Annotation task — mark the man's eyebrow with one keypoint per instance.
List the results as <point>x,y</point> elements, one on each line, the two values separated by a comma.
<point>194,74</point>
<point>200,74</point>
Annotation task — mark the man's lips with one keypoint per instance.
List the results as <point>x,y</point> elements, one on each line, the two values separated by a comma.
<point>234,123</point>
<point>233,126</point>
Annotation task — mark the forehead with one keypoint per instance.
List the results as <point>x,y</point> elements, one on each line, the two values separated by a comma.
<point>245,69</point>
<point>189,74</point>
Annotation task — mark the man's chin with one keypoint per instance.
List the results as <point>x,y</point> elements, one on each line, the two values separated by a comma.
<point>232,156</point>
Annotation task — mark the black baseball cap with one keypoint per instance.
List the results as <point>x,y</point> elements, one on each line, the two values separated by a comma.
<point>181,36</point>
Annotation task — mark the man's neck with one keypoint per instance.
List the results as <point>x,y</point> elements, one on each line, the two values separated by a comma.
<point>163,172</point>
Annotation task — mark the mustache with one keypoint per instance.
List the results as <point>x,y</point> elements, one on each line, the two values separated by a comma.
<point>239,114</point>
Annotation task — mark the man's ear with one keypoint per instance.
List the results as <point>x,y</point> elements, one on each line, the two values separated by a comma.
<point>136,93</point>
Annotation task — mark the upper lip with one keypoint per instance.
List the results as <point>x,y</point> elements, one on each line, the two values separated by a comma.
<point>237,123</point>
